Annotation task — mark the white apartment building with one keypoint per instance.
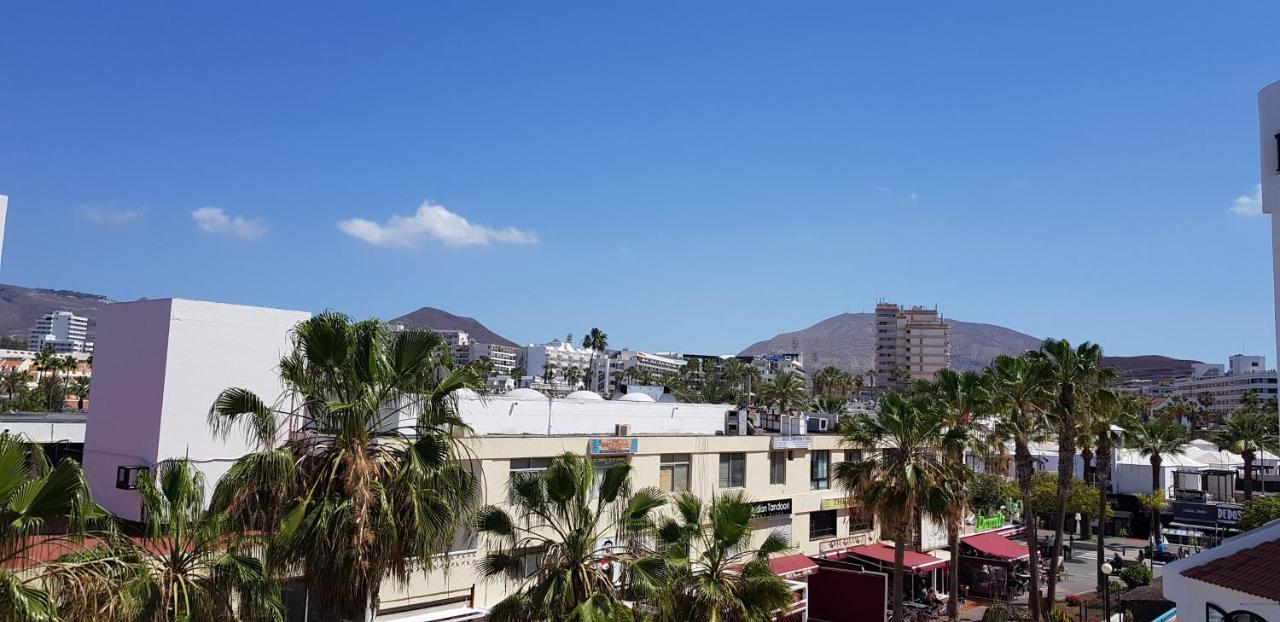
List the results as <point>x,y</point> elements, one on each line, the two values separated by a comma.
<point>624,361</point>
<point>1246,374</point>
<point>504,358</point>
<point>63,331</point>
<point>911,344</point>
<point>772,365</point>
<point>560,355</point>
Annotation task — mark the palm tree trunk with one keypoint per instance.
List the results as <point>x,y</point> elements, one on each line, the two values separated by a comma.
<point>1248,474</point>
<point>1156,488</point>
<point>1066,469</point>
<point>1022,457</point>
<point>953,578</point>
<point>899,559</point>
<point>1103,476</point>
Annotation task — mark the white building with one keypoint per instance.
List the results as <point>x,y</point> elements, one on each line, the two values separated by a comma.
<point>159,366</point>
<point>561,355</point>
<point>653,366</point>
<point>911,344</point>
<point>1232,582</point>
<point>63,331</point>
<point>1244,374</point>
<point>1269,147</point>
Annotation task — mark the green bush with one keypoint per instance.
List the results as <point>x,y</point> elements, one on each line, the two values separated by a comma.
<point>1259,511</point>
<point>1136,575</point>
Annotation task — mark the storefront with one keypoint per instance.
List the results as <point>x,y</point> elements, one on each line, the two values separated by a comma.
<point>1202,524</point>
<point>993,566</point>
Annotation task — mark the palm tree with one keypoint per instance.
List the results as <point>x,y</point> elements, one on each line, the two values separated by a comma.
<point>831,405</point>
<point>1107,409</point>
<point>191,564</point>
<point>1074,373</point>
<point>46,361</point>
<point>33,493</point>
<point>575,521</point>
<point>572,374</point>
<point>1178,409</point>
<point>1248,433</point>
<point>597,341</point>
<point>785,392</point>
<point>80,388</point>
<point>1154,440</point>
<point>1020,392</point>
<point>961,398</point>
<point>713,572</point>
<point>14,382</point>
<point>357,475</point>
<point>548,372</point>
<point>902,476</point>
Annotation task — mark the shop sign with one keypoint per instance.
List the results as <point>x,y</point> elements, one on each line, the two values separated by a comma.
<point>613,446</point>
<point>857,539</point>
<point>765,509</point>
<point>989,522</point>
<point>839,503</point>
<point>1193,496</point>
<point>790,442</point>
<point>1206,513</point>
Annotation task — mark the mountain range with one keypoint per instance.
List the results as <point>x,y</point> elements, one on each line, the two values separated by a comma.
<point>846,341</point>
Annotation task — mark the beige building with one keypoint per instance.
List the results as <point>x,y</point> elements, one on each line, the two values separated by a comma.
<point>911,344</point>
<point>788,476</point>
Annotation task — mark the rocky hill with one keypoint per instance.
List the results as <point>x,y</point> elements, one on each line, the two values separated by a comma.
<point>847,341</point>
<point>20,307</point>
<point>430,317</point>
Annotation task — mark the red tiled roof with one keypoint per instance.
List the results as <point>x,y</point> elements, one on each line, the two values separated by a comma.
<point>1252,571</point>
<point>791,564</point>
<point>913,561</point>
<point>996,545</point>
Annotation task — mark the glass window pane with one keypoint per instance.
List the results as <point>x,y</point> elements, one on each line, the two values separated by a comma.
<point>680,477</point>
<point>664,479</point>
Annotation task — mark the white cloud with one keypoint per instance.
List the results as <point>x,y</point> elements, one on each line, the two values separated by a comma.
<point>434,222</point>
<point>108,212</point>
<point>1248,204</point>
<point>216,220</point>
<point>913,196</point>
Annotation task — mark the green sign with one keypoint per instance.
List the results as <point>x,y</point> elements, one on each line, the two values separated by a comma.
<point>990,522</point>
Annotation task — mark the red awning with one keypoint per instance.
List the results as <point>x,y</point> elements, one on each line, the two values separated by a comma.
<point>789,565</point>
<point>996,545</point>
<point>883,553</point>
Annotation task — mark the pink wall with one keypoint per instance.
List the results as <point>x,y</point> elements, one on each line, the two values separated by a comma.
<point>123,426</point>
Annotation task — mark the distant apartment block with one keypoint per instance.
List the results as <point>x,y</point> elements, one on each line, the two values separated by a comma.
<point>1227,386</point>
<point>466,349</point>
<point>911,344</point>
<point>561,356</point>
<point>64,331</point>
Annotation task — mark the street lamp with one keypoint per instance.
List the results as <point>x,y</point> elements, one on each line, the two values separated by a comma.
<point>1106,592</point>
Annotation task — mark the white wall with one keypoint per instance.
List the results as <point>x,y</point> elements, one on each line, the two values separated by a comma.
<point>1191,595</point>
<point>502,415</point>
<point>213,346</point>
<point>1269,152</point>
<point>158,367</point>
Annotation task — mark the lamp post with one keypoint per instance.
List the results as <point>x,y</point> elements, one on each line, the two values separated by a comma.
<point>1106,592</point>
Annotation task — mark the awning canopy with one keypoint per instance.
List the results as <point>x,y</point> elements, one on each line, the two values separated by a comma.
<point>912,561</point>
<point>791,565</point>
<point>998,546</point>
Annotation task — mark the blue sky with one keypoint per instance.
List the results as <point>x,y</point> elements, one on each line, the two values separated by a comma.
<point>688,176</point>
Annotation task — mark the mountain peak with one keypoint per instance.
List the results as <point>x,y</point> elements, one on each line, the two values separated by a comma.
<point>439,319</point>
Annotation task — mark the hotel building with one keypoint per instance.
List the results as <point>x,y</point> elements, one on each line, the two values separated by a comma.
<point>911,344</point>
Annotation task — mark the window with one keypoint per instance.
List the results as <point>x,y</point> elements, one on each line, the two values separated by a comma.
<point>673,472</point>
<point>820,470</point>
<point>777,467</point>
<point>529,465</point>
<point>733,470</point>
<point>822,524</point>
<point>860,520</point>
<point>852,455</point>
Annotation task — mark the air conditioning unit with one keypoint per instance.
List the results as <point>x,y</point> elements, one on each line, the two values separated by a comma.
<point>622,429</point>
<point>735,423</point>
